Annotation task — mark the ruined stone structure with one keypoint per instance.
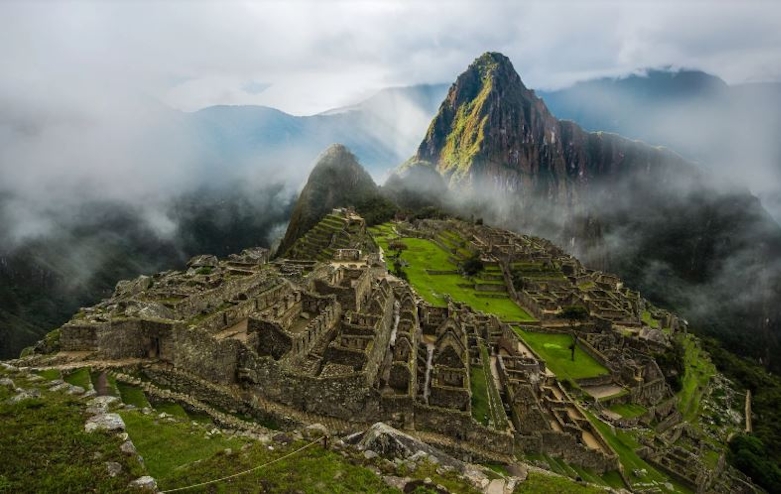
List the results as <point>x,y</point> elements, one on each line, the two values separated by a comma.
<point>342,338</point>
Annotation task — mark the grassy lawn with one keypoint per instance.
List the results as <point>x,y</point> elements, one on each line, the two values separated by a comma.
<point>45,449</point>
<point>166,446</point>
<point>486,402</point>
<point>423,254</point>
<point>480,407</point>
<point>312,470</point>
<point>171,408</point>
<point>539,483</point>
<point>628,410</point>
<point>79,377</point>
<point>132,395</point>
<point>697,374</point>
<point>554,349</point>
<point>50,374</point>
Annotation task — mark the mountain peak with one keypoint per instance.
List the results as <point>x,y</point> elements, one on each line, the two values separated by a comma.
<point>487,101</point>
<point>337,180</point>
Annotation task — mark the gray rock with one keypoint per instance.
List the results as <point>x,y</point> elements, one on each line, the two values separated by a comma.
<point>128,448</point>
<point>203,261</point>
<point>396,482</point>
<point>105,422</point>
<point>282,438</point>
<point>139,285</point>
<point>102,403</point>
<point>75,390</point>
<point>7,383</point>
<point>9,367</point>
<point>148,310</point>
<point>370,455</point>
<point>315,430</point>
<point>392,443</point>
<point>145,483</point>
<point>113,468</point>
<point>24,395</point>
<point>89,393</point>
<point>60,387</point>
<point>55,382</point>
<point>418,456</point>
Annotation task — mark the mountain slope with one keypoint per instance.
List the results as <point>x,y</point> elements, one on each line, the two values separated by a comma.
<point>337,180</point>
<point>706,249</point>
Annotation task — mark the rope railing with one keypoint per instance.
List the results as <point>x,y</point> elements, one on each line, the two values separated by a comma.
<point>177,489</point>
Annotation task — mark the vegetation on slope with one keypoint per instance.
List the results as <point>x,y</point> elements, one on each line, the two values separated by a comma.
<point>337,180</point>
<point>45,448</point>
<point>757,454</point>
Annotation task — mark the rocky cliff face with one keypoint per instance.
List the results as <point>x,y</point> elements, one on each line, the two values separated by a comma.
<point>706,250</point>
<point>491,131</point>
<point>337,180</point>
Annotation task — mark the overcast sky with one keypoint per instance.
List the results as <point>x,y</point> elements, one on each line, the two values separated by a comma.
<point>306,57</point>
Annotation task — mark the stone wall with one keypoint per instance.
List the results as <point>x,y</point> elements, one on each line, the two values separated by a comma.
<point>198,352</point>
<point>78,337</point>
<point>345,397</point>
<point>566,446</point>
<point>461,426</point>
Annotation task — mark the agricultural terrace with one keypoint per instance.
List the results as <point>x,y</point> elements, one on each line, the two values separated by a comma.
<point>555,350</point>
<point>422,256</point>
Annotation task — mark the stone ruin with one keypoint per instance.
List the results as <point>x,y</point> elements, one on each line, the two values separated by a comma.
<point>347,340</point>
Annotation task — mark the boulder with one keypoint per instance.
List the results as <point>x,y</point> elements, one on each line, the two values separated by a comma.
<point>203,261</point>
<point>7,383</point>
<point>113,468</point>
<point>145,483</point>
<point>391,443</point>
<point>128,448</point>
<point>315,430</point>
<point>127,288</point>
<point>105,422</point>
<point>25,394</point>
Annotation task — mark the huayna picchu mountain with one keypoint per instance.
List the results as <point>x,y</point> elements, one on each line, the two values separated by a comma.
<point>493,131</point>
<point>336,180</point>
<point>706,249</point>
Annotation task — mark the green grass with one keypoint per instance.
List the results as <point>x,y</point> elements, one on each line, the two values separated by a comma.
<point>539,483</point>
<point>171,408</point>
<point>649,320</point>
<point>422,255</point>
<point>166,446</point>
<point>481,409</point>
<point>45,449</point>
<point>79,377</point>
<point>698,370</point>
<point>628,410</point>
<point>625,446</point>
<point>50,374</point>
<point>313,470</point>
<point>132,395</point>
<point>554,349</point>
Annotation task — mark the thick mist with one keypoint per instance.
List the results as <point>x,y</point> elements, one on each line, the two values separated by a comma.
<point>730,132</point>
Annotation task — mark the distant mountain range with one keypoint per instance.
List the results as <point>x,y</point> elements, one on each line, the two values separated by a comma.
<point>382,131</point>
